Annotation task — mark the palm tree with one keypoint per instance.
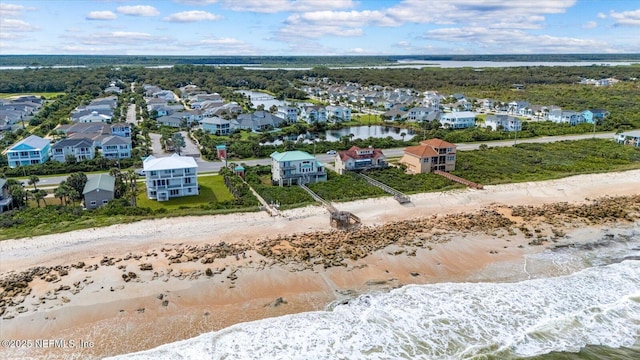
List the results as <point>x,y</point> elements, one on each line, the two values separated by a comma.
<point>402,135</point>
<point>39,195</point>
<point>33,180</point>
<point>130,178</point>
<point>18,194</point>
<point>60,192</point>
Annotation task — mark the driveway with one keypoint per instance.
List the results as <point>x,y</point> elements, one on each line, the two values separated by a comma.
<point>190,149</point>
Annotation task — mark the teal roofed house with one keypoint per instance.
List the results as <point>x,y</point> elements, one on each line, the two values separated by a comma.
<point>296,167</point>
<point>30,151</point>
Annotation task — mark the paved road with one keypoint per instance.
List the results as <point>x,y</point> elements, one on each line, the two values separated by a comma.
<point>214,166</point>
<point>131,114</point>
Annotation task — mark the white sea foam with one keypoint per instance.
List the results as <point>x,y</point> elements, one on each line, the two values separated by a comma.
<point>598,306</point>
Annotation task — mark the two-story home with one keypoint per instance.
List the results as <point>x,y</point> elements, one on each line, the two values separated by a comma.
<point>290,114</point>
<point>419,114</point>
<point>458,120</point>
<point>6,200</point>
<point>30,151</point>
<point>312,114</point>
<point>629,138</point>
<point>600,113</point>
<point>216,125</point>
<point>519,107</point>
<point>121,129</point>
<point>98,190</point>
<point>80,149</point>
<point>170,177</point>
<point>356,159</point>
<point>338,113</point>
<point>295,167</point>
<point>503,122</point>
<point>116,147</point>
<point>258,121</point>
<point>95,117</point>
<point>565,117</point>
<point>430,155</point>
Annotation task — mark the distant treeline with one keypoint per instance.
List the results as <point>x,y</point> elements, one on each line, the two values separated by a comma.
<point>283,82</point>
<point>148,60</point>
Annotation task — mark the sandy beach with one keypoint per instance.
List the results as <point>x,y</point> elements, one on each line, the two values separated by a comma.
<point>130,287</point>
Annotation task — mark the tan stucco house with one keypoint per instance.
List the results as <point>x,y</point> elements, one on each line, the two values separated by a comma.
<point>430,155</point>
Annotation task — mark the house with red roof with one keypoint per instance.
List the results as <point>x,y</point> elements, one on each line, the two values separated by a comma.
<point>356,159</point>
<point>430,155</point>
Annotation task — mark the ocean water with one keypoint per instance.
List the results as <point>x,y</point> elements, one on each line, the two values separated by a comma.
<point>590,311</point>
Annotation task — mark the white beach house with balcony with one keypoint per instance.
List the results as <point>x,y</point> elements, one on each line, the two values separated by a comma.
<point>170,177</point>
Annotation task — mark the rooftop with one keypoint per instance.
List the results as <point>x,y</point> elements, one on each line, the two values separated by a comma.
<point>174,161</point>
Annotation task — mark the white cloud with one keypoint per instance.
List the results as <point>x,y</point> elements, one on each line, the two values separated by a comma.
<point>590,25</point>
<point>602,15</point>
<point>222,46</point>
<point>626,18</point>
<point>519,14</point>
<point>192,16</point>
<point>196,2</point>
<point>138,10</point>
<point>223,41</point>
<point>275,6</point>
<point>101,15</point>
<point>487,40</point>
<point>342,18</point>
<point>496,14</point>
<point>10,9</point>
<point>15,25</point>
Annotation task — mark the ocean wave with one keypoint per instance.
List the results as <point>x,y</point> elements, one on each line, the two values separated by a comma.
<point>596,306</point>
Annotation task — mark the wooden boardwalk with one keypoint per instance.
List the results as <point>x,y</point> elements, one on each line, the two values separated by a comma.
<point>339,219</point>
<point>459,179</point>
<point>400,197</point>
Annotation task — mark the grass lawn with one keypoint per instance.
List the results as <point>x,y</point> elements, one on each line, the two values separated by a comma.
<point>212,189</point>
<point>47,95</point>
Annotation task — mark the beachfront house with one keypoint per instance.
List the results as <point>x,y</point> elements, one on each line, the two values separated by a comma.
<point>356,159</point>
<point>503,122</point>
<point>98,190</point>
<point>170,177</point>
<point>77,148</point>
<point>430,155</point>
<point>5,196</point>
<point>458,119</point>
<point>30,151</point>
<point>631,138</point>
<point>295,167</point>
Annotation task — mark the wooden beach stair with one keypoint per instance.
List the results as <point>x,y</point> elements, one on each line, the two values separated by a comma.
<point>339,219</point>
<point>397,195</point>
<point>459,179</point>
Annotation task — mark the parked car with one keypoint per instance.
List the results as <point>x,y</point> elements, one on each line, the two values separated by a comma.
<point>139,172</point>
<point>331,152</point>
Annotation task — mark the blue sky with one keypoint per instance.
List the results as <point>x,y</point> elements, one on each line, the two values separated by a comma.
<point>318,27</point>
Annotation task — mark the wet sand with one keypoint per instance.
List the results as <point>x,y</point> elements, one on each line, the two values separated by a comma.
<point>260,270</point>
